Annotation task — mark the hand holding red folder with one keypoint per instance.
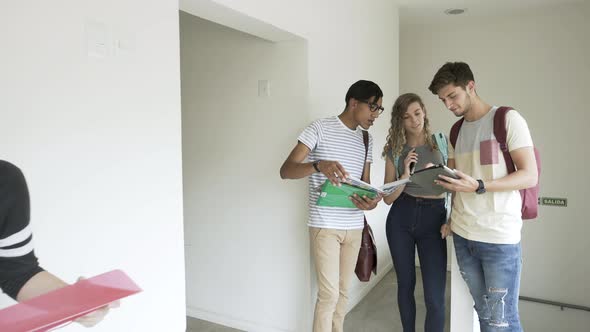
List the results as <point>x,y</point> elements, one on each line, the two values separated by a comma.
<point>87,300</point>
<point>95,317</point>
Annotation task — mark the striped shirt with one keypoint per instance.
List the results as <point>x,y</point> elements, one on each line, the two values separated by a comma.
<point>330,139</point>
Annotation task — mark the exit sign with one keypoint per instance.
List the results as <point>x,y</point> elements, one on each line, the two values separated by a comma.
<point>553,201</point>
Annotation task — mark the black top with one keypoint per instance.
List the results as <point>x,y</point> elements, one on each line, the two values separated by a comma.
<point>18,262</point>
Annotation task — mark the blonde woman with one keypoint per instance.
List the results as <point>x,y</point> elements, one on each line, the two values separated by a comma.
<point>417,217</point>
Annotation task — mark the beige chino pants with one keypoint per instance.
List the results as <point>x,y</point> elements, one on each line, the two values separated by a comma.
<point>335,253</point>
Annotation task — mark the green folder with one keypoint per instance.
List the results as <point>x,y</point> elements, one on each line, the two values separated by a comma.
<point>331,195</point>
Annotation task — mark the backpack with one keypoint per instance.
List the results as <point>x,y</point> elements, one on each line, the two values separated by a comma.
<point>530,196</point>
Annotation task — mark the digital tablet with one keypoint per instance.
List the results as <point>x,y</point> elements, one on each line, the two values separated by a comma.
<point>60,306</point>
<point>426,176</point>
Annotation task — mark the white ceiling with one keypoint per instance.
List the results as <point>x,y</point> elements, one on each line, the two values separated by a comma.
<point>417,11</point>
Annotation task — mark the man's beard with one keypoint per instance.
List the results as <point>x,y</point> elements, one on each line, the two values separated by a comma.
<point>466,107</point>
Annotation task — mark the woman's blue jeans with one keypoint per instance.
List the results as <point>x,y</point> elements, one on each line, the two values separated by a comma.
<point>415,223</point>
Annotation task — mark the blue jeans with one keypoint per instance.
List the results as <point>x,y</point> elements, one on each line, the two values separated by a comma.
<point>492,273</point>
<point>415,222</point>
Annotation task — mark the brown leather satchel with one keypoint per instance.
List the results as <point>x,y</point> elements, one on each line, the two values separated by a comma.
<point>367,259</point>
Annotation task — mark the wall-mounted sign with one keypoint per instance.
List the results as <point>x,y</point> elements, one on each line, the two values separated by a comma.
<point>553,201</point>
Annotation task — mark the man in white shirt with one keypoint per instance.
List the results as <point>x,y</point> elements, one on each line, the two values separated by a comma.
<point>486,218</point>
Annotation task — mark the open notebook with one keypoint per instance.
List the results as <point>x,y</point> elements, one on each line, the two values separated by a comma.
<point>60,306</point>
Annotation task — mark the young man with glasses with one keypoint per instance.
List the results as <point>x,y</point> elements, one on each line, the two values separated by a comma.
<point>334,150</point>
<point>486,217</point>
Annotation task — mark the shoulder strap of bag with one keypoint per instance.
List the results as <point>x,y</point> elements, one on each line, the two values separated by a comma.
<point>394,159</point>
<point>501,133</point>
<point>441,142</point>
<point>455,132</point>
<point>396,164</point>
<point>443,147</point>
<point>366,142</point>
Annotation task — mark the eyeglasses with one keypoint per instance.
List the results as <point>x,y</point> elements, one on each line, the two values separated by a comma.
<point>373,106</point>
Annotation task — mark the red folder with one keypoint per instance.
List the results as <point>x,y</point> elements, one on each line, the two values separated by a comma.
<point>60,306</point>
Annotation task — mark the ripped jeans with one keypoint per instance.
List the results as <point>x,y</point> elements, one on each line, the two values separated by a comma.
<point>492,273</point>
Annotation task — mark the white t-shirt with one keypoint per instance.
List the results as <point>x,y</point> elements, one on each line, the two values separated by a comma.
<point>489,217</point>
<point>330,139</point>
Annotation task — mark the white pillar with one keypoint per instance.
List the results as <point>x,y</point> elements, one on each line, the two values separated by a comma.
<point>463,316</point>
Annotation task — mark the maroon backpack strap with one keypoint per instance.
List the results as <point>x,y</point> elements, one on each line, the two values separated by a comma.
<point>455,132</point>
<point>501,135</point>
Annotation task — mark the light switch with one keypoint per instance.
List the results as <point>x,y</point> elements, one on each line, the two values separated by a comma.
<point>263,88</point>
<point>97,39</point>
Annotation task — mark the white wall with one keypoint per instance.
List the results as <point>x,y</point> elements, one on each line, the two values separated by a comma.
<point>245,232</point>
<point>538,63</point>
<point>99,140</point>
<point>345,42</point>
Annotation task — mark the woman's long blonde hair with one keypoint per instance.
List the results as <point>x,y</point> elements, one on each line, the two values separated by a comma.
<point>396,138</point>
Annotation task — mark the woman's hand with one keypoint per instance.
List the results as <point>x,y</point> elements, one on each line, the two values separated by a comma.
<point>412,157</point>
